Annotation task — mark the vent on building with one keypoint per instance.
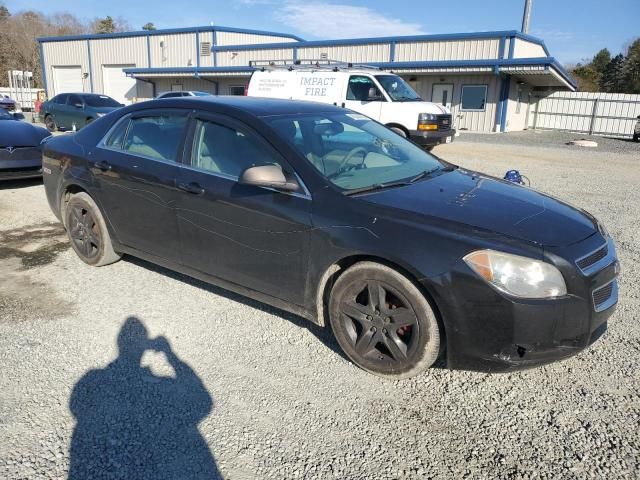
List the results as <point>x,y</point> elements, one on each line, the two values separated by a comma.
<point>205,49</point>
<point>324,56</point>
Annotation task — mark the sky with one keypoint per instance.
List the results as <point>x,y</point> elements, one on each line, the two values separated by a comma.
<point>573,30</point>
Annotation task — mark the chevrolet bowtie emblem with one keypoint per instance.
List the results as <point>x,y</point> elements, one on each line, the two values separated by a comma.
<point>10,149</point>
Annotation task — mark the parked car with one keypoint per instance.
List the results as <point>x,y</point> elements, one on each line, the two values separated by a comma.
<point>20,151</point>
<point>9,105</point>
<point>383,96</point>
<point>188,93</point>
<point>636,131</point>
<point>72,111</point>
<point>321,211</point>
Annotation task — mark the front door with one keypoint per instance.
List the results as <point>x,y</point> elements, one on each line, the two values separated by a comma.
<point>251,236</point>
<point>357,96</point>
<point>135,169</point>
<point>442,94</point>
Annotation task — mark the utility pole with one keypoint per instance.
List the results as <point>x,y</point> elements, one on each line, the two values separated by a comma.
<point>526,18</point>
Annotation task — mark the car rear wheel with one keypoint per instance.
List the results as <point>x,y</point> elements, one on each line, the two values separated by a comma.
<point>50,123</point>
<point>636,137</point>
<point>87,231</point>
<point>383,322</point>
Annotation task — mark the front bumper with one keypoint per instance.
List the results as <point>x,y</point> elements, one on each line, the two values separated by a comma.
<point>19,169</point>
<point>431,138</point>
<point>487,330</point>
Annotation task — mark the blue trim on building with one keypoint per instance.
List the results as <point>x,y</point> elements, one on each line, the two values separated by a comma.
<point>192,70</point>
<point>43,70</point>
<point>504,102</point>
<point>149,51</point>
<point>392,51</point>
<point>167,31</point>
<point>198,49</point>
<point>512,45</point>
<point>501,47</point>
<point>295,54</point>
<point>214,42</point>
<point>90,65</point>
<point>378,40</point>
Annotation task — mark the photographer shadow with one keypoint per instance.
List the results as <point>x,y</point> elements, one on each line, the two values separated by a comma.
<point>134,424</point>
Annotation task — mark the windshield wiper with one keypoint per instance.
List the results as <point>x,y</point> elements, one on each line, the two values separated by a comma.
<point>376,187</point>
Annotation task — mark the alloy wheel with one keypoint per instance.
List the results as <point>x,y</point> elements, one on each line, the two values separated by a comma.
<point>84,232</point>
<point>380,324</point>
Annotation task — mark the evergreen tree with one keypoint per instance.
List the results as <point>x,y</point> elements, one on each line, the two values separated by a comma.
<point>106,25</point>
<point>149,26</point>
<point>631,68</point>
<point>613,76</point>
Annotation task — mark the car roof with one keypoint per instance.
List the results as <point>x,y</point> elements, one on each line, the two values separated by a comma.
<point>257,106</point>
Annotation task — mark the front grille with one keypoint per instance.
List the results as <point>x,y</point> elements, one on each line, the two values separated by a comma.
<point>21,153</point>
<point>586,262</point>
<point>444,122</point>
<point>603,297</point>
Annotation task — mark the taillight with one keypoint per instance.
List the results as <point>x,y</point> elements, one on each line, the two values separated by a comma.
<point>246,90</point>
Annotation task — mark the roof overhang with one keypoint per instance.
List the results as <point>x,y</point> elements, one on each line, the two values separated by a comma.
<point>539,72</point>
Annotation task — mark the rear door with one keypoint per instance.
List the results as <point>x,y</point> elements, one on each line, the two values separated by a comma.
<point>73,113</point>
<point>247,235</point>
<point>135,168</point>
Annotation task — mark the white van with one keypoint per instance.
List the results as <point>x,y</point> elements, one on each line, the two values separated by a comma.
<point>383,96</point>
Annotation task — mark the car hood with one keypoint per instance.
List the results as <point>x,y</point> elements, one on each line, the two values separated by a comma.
<point>493,205</point>
<point>15,133</point>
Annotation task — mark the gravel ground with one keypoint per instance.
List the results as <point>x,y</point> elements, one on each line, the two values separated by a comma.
<point>240,390</point>
<point>552,139</point>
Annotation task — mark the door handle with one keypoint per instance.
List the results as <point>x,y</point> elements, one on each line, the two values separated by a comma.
<point>104,166</point>
<point>191,187</point>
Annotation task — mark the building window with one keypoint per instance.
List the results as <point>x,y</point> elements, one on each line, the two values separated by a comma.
<point>205,49</point>
<point>237,90</point>
<point>474,98</point>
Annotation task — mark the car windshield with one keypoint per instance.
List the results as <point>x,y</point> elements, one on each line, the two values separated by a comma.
<point>100,101</point>
<point>398,89</point>
<point>354,152</point>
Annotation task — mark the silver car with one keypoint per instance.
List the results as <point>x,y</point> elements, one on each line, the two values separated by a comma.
<point>182,93</point>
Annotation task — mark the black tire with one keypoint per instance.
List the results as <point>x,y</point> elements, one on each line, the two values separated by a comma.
<point>50,123</point>
<point>636,137</point>
<point>401,340</point>
<point>88,232</point>
<point>429,148</point>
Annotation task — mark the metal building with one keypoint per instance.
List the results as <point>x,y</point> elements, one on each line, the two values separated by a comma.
<point>488,79</point>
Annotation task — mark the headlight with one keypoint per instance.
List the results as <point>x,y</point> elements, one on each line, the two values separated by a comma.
<point>602,229</point>
<point>518,276</point>
<point>427,117</point>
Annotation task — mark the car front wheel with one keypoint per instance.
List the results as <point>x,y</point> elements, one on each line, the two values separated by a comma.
<point>87,231</point>
<point>383,322</point>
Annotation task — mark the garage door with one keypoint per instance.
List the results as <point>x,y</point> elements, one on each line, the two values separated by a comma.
<point>67,79</point>
<point>117,85</point>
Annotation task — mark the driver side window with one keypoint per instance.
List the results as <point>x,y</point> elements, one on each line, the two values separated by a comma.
<point>359,87</point>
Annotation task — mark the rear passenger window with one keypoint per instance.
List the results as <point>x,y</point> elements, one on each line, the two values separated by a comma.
<point>156,137</point>
<point>116,137</point>
<point>221,149</point>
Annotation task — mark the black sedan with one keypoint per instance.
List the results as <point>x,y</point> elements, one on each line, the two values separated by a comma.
<point>20,152</point>
<point>324,212</point>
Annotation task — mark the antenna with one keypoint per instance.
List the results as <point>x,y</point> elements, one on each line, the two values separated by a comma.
<point>526,17</point>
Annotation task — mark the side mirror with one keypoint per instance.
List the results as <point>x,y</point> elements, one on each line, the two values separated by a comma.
<point>374,94</point>
<point>269,176</point>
